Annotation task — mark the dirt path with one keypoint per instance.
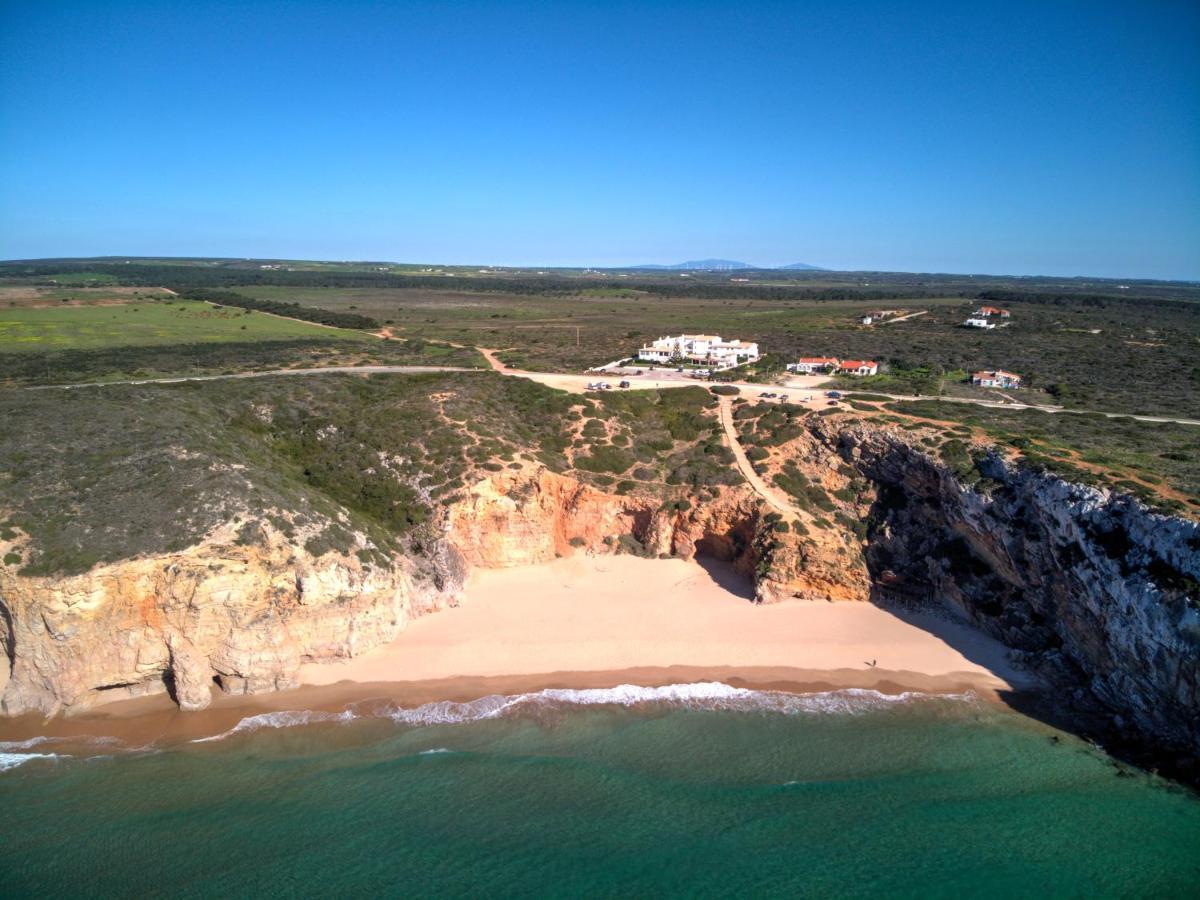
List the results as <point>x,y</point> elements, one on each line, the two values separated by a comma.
<point>776,498</point>
<point>266,373</point>
<point>920,312</point>
<point>577,384</point>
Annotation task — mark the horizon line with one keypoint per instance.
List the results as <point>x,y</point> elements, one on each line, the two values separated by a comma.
<point>744,267</point>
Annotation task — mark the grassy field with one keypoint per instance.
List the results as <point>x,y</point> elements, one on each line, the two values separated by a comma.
<point>58,295</point>
<point>40,329</point>
<point>1119,356</point>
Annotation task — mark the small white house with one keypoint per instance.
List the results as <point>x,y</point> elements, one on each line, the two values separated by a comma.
<point>978,323</point>
<point>859,367</point>
<point>810,365</point>
<point>996,378</point>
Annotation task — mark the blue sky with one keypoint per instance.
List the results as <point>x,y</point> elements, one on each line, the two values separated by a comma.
<point>1040,138</point>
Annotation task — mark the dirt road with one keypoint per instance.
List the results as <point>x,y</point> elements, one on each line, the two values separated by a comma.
<point>775,497</point>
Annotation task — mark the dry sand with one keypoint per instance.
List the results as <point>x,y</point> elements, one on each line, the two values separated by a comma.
<point>621,612</point>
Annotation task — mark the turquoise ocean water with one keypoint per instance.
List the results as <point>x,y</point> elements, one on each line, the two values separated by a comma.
<point>696,791</point>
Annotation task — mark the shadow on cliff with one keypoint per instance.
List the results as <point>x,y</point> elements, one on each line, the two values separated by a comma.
<point>965,637</point>
<point>1039,699</point>
<point>724,575</point>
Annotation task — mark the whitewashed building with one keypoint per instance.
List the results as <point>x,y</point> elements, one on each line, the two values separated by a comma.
<point>699,349</point>
<point>978,323</point>
<point>809,365</point>
<point>860,367</point>
<point>996,378</point>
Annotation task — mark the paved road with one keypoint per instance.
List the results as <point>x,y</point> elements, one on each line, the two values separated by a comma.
<point>773,496</point>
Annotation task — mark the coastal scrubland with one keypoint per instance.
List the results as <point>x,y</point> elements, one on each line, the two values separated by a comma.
<point>104,474</point>
<point>1157,462</point>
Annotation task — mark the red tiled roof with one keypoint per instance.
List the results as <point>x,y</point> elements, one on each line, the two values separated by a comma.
<point>858,363</point>
<point>818,360</point>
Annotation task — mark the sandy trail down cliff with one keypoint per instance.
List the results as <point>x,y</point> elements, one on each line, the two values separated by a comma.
<point>610,613</point>
<point>776,498</point>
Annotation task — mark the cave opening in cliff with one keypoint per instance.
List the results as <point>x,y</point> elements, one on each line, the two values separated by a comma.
<point>722,556</point>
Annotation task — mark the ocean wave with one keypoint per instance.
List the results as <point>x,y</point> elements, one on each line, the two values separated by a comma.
<point>288,718</point>
<point>39,740</point>
<point>435,750</point>
<point>8,746</point>
<point>706,695</point>
<point>12,760</point>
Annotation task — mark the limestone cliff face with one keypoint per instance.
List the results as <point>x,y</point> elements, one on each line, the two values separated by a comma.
<point>1098,591</point>
<point>241,617</point>
<point>517,519</point>
<point>245,617</point>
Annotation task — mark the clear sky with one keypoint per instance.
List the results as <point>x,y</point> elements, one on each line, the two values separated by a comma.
<point>1007,137</point>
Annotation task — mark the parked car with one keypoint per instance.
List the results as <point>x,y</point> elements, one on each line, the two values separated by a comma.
<point>833,403</point>
<point>764,394</point>
<point>638,372</point>
<point>624,384</point>
<point>833,395</point>
<point>782,398</point>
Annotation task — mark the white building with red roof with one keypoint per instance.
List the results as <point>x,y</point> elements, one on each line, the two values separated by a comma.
<point>808,365</point>
<point>861,367</point>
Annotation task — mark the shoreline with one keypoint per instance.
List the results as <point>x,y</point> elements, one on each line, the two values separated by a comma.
<point>592,623</point>
<point>156,721</point>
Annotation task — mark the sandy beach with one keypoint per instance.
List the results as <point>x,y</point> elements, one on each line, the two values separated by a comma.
<point>622,612</point>
<point>597,622</point>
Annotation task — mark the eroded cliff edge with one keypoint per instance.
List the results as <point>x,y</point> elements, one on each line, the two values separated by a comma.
<point>1092,589</point>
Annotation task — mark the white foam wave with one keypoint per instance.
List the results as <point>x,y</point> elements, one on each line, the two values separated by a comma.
<point>7,746</point>
<point>288,718</point>
<point>12,760</point>
<point>706,695</point>
<point>435,750</point>
<point>39,740</point>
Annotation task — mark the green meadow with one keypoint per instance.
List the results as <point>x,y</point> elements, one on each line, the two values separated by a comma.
<point>148,324</point>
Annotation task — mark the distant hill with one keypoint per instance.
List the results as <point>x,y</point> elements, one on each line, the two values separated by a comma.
<point>720,265</point>
<point>725,265</point>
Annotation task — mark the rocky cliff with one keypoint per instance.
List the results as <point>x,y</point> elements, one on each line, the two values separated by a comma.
<point>244,615</point>
<point>1096,591</point>
<point>1093,589</point>
<point>241,616</point>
